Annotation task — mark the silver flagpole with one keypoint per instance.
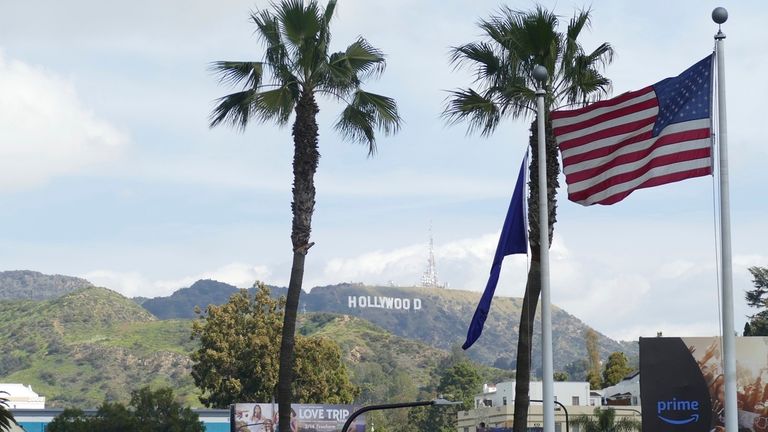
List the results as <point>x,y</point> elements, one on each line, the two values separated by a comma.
<point>540,74</point>
<point>720,15</point>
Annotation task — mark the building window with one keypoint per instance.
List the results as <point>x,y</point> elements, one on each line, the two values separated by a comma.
<point>592,402</point>
<point>558,427</point>
<point>575,401</point>
<point>504,400</point>
<point>466,429</point>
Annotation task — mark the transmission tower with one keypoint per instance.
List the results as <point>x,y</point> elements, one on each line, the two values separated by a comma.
<point>429,278</point>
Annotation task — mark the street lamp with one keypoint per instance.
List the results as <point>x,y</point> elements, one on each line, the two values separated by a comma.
<point>561,406</point>
<point>438,401</point>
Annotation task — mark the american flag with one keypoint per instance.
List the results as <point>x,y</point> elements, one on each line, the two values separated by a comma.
<point>657,135</point>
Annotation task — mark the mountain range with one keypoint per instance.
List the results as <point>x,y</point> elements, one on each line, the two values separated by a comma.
<point>78,344</point>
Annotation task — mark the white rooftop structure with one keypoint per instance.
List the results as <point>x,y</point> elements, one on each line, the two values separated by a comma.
<point>21,396</point>
<point>625,392</point>
<point>568,393</point>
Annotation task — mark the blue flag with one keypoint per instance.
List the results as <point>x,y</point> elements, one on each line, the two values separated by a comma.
<point>513,240</point>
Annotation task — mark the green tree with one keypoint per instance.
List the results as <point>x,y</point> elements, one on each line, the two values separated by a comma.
<point>114,417</point>
<point>70,420</point>
<point>158,411</point>
<point>616,368</point>
<point>593,354</point>
<point>514,42</point>
<point>459,381</point>
<point>6,416</point>
<point>604,420</point>
<point>756,298</point>
<point>237,359</point>
<point>150,411</point>
<point>299,66</point>
<point>561,376</point>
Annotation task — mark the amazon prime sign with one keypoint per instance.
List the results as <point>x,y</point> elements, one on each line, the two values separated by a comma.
<point>383,302</point>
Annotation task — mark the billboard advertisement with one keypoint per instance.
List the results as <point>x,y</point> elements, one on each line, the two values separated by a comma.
<point>682,384</point>
<point>263,417</point>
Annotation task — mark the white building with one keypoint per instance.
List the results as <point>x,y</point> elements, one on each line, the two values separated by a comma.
<point>495,406</point>
<point>568,393</point>
<point>625,392</point>
<point>21,397</point>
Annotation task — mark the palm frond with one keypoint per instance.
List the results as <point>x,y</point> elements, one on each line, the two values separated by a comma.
<point>300,22</point>
<point>364,59</point>
<point>368,111</point>
<point>268,29</point>
<point>479,55</point>
<point>325,30</point>
<point>338,79</point>
<point>234,109</point>
<point>602,55</point>
<point>6,416</point>
<point>235,72</point>
<point>478,111</point>
<point>238,109</point>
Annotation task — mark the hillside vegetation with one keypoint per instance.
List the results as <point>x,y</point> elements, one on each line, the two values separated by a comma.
<point>94,344</point>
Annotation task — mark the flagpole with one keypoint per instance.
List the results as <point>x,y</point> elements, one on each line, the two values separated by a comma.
<point>541,75</point>
<point>720,15</point>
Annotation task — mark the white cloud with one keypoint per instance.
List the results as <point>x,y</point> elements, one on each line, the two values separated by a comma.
<point>46,131</point>
<point>133,284</point>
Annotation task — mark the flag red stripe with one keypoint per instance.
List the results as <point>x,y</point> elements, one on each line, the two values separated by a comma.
<point>655,181</point>
<point>665,140</point>
<point>607,133</point>
<point>604,151</point>
<point>625,177</point>
<point>602,104</point>
<point>610,115</point>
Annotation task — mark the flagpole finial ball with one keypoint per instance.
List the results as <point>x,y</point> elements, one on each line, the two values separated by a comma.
<point>540,73</point>
<point>720,15</point>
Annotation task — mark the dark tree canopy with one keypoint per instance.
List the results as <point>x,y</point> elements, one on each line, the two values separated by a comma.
<point>616,369</point>
<point>756,298</point>
<point>149,411</point>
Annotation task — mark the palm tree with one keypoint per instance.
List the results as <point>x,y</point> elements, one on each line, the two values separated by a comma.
<point>514,42</point>
<point>297,67</point>
<point>604,420</point>
<point>6,416</point>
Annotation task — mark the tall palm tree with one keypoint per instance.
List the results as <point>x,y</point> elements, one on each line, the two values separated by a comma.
<point>604,420</point>
<point>503,61</point>
<point>297,67</point>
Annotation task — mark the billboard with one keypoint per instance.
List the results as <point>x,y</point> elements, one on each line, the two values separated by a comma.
<point>263,417</point>
<point>682,384</point>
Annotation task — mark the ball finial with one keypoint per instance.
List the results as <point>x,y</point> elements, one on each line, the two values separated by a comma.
<point>719,15</point>
<point>540,73</point>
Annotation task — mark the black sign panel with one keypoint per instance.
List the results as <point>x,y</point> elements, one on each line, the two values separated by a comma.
<point>675,395</point>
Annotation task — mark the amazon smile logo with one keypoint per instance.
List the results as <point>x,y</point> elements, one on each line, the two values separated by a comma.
<point>678,412</point>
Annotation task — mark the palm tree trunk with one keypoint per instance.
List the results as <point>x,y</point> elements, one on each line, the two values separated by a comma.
<point>305,160</point>
<point>533,285</point>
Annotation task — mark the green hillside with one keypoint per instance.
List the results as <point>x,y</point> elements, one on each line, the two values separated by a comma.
<point>93,344</point>
<point>89,345</point>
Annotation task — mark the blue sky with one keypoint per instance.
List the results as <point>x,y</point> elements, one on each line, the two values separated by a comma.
<point>109,171</point>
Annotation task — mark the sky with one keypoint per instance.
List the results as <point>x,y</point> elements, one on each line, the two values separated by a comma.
<point>108,169</point>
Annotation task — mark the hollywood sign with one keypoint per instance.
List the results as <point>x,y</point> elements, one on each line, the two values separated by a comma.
<point>382,302</point>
